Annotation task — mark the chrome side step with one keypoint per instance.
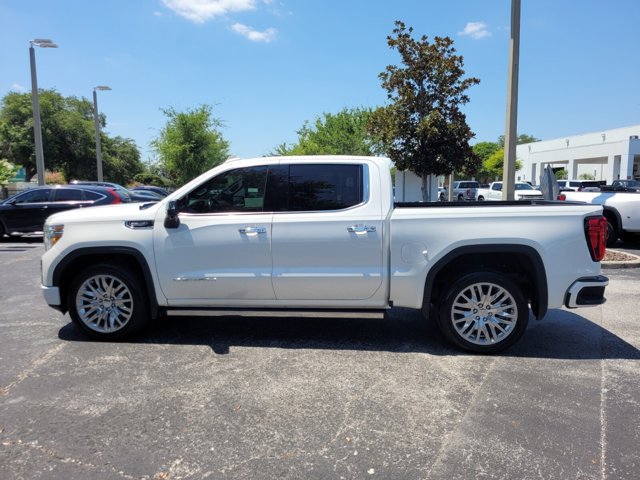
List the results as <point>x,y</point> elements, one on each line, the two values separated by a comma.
<point>218,312</point>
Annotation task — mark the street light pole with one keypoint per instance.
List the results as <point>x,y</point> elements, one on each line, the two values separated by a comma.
<point>37,127</point>
<point>96,119</point>
<point>510,137</point>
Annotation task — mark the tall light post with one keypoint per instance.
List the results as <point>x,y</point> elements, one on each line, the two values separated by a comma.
<point>510,135</point>
<point>96,118</point>
<point>37,128</point>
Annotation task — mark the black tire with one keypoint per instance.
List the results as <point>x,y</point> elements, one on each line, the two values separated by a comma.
<point>482,329</point>
<point>612,233</point>
<point>460,197</point>
<point>2,231</point>
<point>107,302</point>
<point>481,198</point>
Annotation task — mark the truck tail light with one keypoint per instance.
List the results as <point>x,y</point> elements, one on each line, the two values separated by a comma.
<point>595,230</point>
<point>562,197</point>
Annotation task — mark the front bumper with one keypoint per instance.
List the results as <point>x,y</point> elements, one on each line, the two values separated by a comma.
<point>586,292</point>
<point>51,295</point>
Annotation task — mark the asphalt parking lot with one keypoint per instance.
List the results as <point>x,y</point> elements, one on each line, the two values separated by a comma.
<point>315,398</point>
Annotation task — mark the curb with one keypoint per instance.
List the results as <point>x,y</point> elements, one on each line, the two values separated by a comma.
<point>633,261</point>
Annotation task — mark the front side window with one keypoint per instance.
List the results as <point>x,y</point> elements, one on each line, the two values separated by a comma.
<point>496,186</point>
<point>238,190</point>
<point>34,196</point>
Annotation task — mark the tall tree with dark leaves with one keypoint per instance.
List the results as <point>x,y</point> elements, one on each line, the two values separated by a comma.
<point>423,128</point>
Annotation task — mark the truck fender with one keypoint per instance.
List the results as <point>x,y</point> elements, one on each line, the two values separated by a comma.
<point>539,293</point>
<point>109,253</point>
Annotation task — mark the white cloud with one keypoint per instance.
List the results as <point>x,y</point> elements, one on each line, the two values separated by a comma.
<point>254,35</point>
<point>18,87</point>
<point>199,11</point>
<point>476,30</point>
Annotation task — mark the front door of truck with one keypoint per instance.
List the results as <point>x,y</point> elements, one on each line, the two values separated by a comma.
<point>221,250</point>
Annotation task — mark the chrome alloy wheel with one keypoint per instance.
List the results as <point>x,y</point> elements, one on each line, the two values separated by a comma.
<point>104,303</point>
<point>484,313</point>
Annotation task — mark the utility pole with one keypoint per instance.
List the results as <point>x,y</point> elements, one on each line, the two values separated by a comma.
<point>510,136</point>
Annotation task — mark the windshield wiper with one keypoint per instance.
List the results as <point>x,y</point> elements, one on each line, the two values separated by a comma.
<point>144,206</point>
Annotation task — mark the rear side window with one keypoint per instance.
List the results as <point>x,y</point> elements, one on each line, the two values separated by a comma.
<point>318,187</point>
<point>67,195</point>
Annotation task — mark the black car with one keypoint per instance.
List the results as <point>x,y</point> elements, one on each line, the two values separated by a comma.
<point>125,194</point>
<point>26,212</point>
<point>159,190</point>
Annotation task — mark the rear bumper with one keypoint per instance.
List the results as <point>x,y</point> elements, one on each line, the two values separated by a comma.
<point>586,292</point>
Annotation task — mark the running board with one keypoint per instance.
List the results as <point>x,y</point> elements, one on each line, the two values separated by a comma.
<point>217,312</point>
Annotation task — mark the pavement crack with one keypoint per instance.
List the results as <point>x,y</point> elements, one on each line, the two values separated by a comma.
<point>42,360</point>
<point>449,438</point>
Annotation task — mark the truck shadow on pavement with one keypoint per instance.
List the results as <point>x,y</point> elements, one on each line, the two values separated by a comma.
<point>562,335</point>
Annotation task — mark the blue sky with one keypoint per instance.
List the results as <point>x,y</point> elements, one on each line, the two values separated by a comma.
<point>269,65</point>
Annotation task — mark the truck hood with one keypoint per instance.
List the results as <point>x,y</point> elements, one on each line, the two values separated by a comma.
<point>106,213</point>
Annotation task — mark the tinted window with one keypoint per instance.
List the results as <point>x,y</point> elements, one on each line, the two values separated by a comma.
<point>93,196</point>
<point>67,195</point>
<point>34,196</point>
<point>496,186</point>
<point>324,187</point>
<point>469,185</point>
<point>239,190</point>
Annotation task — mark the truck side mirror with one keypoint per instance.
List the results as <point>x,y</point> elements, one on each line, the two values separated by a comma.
<point>172,220</point>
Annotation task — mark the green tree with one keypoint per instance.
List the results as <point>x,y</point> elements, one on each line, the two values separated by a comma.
<point>121,160</point>
<point>343,133</point>
<point>422,129</point>
<point>190,143</point>
<point>493,165</point>
<point>520,139</point>
<point>68,134</point>
<point>7,172</point>
<point>561,174</point>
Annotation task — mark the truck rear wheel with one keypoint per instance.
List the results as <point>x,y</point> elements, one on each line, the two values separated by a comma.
<point>483,312</point>
<point>107,303</point>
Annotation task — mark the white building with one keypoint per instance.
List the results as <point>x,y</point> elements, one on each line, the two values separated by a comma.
<point>607,155</point>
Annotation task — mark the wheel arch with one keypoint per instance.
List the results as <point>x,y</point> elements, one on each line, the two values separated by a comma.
<point>79,259</point>
<point>610,212</point>
<point>521,263</point>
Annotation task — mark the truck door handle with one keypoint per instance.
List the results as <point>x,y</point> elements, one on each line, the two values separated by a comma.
<point>360,229</point>
<point>252,231</point>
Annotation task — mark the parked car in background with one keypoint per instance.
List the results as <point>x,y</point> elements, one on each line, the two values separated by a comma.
<point>626,185</point>
<point>122,191</point>
<point>159,190</point>
<point>523,191</point>
<point>465,190</point>
<point>145,196</point>
<point>579,185</point>
<point>27,211</point>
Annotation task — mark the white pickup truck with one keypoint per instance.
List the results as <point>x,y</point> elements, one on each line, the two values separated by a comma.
<point>621,209</point>
<point>522,191</point>
<point>322,236</point>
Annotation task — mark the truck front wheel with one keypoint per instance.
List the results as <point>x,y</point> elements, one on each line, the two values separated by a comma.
<point>106,302</point>
<point>483,312</point>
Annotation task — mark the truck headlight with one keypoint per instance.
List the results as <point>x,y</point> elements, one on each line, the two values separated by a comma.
<point>52,233</point>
